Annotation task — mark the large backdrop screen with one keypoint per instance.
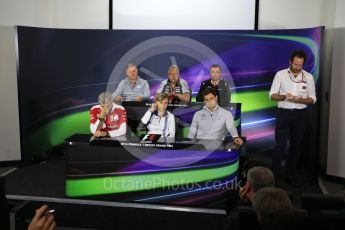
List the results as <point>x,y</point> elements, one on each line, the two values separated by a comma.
<point>157,14</point>
<point>62,71</point>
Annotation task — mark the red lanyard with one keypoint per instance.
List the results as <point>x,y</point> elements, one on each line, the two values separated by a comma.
<point>292,78</point>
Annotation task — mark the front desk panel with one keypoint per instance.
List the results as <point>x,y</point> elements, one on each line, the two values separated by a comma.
<point>181,173</point>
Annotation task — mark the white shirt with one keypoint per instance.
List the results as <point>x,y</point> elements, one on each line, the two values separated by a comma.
<point>164,126</point>
<point>303,85</point>
<point>212,125</point>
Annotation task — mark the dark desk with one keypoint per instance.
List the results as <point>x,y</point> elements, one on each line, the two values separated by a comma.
<point>182,172</point>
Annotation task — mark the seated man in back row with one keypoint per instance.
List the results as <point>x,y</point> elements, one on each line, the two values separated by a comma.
<point>175,87</point>
<point>221,86</point>
<point>107,119</point>
<point>133,88</point>
<point>213,122</point>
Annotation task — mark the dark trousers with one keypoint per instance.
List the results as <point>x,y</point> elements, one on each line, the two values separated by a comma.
<point>290,125</point>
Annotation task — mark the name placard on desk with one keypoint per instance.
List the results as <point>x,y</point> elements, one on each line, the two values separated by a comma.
<point>147,144</point>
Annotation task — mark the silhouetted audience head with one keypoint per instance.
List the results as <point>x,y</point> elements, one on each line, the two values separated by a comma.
<point>260,177</point>
<point>274,209</point>
<point>257,178</point>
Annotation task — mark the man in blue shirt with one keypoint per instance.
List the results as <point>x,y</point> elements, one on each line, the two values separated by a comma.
<point>133,88</point>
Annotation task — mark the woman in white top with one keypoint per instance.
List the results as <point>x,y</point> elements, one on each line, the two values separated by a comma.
<point>158,119</point>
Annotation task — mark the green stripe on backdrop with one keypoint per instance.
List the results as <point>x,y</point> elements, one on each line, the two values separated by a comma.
<point>130,183</point>
<point>55,132</point>
<point>253,101</point>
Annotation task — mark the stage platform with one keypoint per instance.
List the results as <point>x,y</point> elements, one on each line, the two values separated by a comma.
<point>48,180</point>
<point>36,184</point>
<point>31,186</point>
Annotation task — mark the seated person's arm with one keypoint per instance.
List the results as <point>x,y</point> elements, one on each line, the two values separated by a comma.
<point>230,125</point>
<point>237,140</point>
<point>97,130</point>
<point>117,95</point>
<point>94,121</point>
<point>185,97</point>
<point>145,119</point>
<point>172,126</point>
<point>146,95</point>
<point>193,128</point>
<point>96,125</point>
<point>138,98</point>
<point>186,94</point>
<point>147,116</point>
